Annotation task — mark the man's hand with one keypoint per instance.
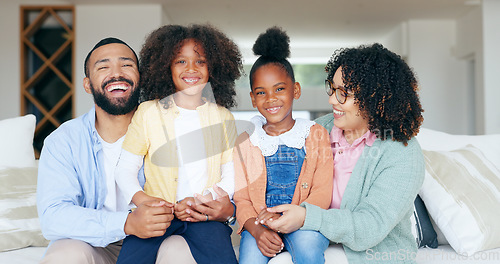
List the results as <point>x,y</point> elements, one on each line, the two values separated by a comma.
<point>216,210</point>
<point>149,219</point>
<point>141,197</point>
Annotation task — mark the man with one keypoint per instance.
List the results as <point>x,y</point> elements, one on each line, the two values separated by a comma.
<point>80,209</point>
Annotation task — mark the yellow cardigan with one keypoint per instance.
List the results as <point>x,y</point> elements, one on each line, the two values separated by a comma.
<point>313,186</point>
<point>147,135</point>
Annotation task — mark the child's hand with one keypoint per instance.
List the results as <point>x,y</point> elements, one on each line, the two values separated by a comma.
<point>265,216</point>
<point>180,208</point>
<point>268,241</point>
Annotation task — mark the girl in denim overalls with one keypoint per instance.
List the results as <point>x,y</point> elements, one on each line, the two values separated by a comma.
<point>280,160</point>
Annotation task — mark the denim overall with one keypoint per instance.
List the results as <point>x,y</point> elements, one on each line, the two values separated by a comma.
<point>283,170</point>
<point>305,246</point>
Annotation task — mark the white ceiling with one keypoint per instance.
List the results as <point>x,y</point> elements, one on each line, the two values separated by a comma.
<point>333,21</point>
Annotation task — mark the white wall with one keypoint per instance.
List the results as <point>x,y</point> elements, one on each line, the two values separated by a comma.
<point>397,40</point>
<point>478,41</point>
<point>165,17</point>
<point>441,76</point>
<point>469,48</point>
<point>491,62</point>
<point>130,23</point>
<point>9,90</point>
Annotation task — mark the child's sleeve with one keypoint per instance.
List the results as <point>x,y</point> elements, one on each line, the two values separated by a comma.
<point>244,206</point>
<point>227,164</point>
<point>135,146</point>
<point>322,179</point>
<point>227,180</point>
<point>126,174</point>
<point>136,140</point>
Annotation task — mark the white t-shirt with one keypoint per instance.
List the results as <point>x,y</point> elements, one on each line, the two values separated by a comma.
<point>193,167</point>
<point>114,201</point>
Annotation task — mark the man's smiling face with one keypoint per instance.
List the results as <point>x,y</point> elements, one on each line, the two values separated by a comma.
<point>113,78</point>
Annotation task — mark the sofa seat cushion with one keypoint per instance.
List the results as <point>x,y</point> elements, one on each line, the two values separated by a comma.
<point>333,254</point>
<point>29,255</point>
<point>19,224</point>
<point>445,254</point>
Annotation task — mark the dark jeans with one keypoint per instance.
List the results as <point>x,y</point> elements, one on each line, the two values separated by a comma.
<point>209,242</point>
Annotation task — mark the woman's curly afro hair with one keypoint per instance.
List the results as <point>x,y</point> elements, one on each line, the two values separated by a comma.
<point>161,47</point>
<point>273,46</point>
<point>384,87</point>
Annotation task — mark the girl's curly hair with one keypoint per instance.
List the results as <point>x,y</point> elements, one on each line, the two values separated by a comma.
<point>162,45</point>
<point>384,87</point>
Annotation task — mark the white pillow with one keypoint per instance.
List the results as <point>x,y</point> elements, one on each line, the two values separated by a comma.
<point>435,140</point>
<point>16,142</point>
<point>19,224</point>
<point>461,191</point>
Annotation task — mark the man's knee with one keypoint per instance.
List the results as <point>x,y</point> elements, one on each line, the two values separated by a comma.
<point>69,251</point>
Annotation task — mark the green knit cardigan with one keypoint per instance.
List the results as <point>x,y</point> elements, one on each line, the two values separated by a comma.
<point>373,222</point>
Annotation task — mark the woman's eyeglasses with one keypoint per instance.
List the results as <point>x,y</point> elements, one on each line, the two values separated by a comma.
<point>340,93</point>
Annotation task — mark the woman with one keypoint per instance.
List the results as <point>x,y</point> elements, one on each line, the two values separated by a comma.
<point>378,164</point>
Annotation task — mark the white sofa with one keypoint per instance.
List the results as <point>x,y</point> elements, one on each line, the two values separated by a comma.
<point>23,252</point>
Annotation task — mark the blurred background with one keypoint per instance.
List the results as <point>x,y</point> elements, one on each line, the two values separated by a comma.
<point>452,45</point>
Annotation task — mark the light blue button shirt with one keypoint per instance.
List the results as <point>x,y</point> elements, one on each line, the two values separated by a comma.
<point>72,186</point>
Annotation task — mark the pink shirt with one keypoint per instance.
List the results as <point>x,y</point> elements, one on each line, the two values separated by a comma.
<point>345,157</point>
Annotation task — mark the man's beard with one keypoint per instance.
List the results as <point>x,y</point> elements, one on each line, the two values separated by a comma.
<point>120,106</point>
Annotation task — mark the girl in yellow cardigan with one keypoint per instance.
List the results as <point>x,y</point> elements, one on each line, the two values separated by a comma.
<point>283,161</point>
<point>185,135</point>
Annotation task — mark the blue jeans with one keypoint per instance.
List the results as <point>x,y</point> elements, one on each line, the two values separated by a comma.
<point>283,170</point>
<point>209,242</point>
<point>303,245</point>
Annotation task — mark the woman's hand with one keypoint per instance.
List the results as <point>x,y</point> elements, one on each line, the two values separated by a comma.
<point>265,216</point>
<point>292,219</point>
<point>216,210</point>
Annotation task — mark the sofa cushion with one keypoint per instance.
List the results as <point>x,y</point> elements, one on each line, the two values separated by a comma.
<point>440,236</point>
<point>461,191</point>
<point>29,255</point>
<point>439,141</point>
<point>446,255</point>
<point>19,224</point>
<point>16,142</point>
